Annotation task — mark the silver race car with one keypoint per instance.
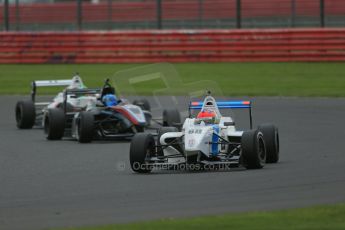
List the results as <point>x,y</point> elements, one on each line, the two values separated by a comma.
<point>30,113</point>
<point>208,140</point>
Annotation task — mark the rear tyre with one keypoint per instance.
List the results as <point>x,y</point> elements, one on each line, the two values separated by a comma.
<point>54,124</point>
<point>253,149</point>
<point>143,104</point>
<point>271,136</point>
<point>171,117</point>
<point>25,114</point>
<point>141,150</point>
<point>85,127</point>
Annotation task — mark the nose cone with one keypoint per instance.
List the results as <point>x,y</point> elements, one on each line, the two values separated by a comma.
<point>197,139</point>
<point>137,113</point>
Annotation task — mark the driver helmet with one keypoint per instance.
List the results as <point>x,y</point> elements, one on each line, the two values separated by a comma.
<point>109,100</point>
<point>108,90</point>
<point>206,114</point>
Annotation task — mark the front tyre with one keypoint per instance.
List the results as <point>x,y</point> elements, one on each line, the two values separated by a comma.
<point>253,149</point>
<point>85,127</point>
<point>271,136</point>
<point>142,148</point>
<point>143,104</point>
<point>171,117</point>
<point>25,114</point>
<point>54,124</point>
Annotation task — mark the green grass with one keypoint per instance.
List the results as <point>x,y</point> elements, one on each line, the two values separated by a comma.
<point>234,79</point>
<point>316,218</point>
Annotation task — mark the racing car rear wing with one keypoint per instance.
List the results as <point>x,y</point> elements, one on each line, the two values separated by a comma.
<point>53,83</point>
<point>223,104</point>
<point>78,92</point>
<point>47,83</point>
<point>195,105</point>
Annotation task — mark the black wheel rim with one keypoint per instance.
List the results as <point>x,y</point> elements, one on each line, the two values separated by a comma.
<point>261,150</point>
<point>78,129</point>
<point>149,154</point>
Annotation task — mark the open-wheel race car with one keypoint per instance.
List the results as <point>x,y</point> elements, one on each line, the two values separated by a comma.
<point>209,139</point>
<point>104,117</point>
<point>30,113</point>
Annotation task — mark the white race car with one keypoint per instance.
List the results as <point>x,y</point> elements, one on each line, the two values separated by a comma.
<point>30,113</point>
<point>208,140</point>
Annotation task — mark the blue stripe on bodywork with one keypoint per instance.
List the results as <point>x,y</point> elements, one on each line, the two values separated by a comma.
<point>214,146</point>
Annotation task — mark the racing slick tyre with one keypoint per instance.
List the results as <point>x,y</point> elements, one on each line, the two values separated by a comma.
<point>161,131</point>
<point>54,124</point>
<point>271,138</point>
<point>171,117</point>
<point>143,104</point>
<point>142,148</point>
<point>25,114</point>
<point>253,149</point>
<point>85,127</point>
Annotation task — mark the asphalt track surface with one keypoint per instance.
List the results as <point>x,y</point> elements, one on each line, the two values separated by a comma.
<point>47,184</point>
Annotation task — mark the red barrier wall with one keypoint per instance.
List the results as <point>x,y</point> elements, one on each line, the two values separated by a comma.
<point>173,46</point>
